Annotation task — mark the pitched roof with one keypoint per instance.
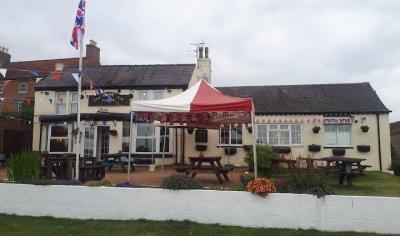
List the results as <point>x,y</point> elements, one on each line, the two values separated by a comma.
<point>311,99</point>
<point>395,127</point>
<point>124,76</point>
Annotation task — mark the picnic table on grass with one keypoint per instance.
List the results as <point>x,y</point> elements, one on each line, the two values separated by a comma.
<point>344,167</point>
<point>214,167</point>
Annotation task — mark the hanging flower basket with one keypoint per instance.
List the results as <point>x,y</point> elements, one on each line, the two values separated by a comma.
<point>316,129</point>
<point>190,130</point>
<point>113,132</point>
<point>338,152</point>
<point>250,129</point>
<point>364,128</point>
<point>314,148</point>
<point>230,151</point>
<point>282,150</point>
<point>201,147</point>
<point>363,148</point>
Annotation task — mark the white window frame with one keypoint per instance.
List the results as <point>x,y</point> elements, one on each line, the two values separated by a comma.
<point>339,145</point>
<point>230,136</point>
<point>158,91</point>
<point>19,87</point>
<point>57,103</point>
<point>65,137</point>
<point>19,105</point>
<point>94,141</point>
<point>147,95</point>
<point>278,129</point>
<point>74,103</point>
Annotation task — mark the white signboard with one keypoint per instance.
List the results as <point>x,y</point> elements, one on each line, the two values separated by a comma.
<point>337,120</point>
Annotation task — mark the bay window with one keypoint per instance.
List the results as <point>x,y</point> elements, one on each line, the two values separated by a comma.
<point>279,134</point>
<point>145,138</point>
<point>230,135</point>
<point>338,134</point>
<point>58,138</point>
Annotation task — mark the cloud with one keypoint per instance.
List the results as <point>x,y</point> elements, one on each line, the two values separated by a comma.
<point>251,42</point>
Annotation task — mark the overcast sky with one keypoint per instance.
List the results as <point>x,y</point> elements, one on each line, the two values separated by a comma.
<point>262,42</point>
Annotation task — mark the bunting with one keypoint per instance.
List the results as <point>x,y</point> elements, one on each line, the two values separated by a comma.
<point>38,80</point>
<point>50,101</point>
<point>77,77</point>
<point>3,72</point>
<point>56,75</point>
<point>91,84</point>
<point>34,72</point>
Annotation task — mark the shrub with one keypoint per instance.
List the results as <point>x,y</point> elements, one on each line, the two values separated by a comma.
<point>282,185</point>
<point>265,154</point>
<point>261,186</point>
<point>395,166</point>
<point>24,166</point>
<point>245,179</point>
<point>308,181</point>
<point>176,182</point>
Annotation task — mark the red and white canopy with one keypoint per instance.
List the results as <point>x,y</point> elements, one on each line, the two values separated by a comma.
<point>201,97</point>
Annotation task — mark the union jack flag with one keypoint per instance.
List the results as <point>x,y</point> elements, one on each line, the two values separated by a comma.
<point>79,24</point>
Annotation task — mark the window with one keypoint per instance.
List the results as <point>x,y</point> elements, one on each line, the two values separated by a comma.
<point>23,87</point>
<point>60,103</point>
<point>158,94</point>
<point>279,134</point>
<point>125,137</point>
<point>145,139</point>
<point>143,95</point>
<point>58,138</point>
<point>164,134</point>
<point>230,135</point>
<point>89,145</point>
<point>74,102</point>
<point>1,88</point>
<point>337,134</point>
<point>19,105</point>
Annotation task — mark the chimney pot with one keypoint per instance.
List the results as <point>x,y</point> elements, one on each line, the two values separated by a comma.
<point>5,57</point>
<point>200,52</point>
<point>206,52</point>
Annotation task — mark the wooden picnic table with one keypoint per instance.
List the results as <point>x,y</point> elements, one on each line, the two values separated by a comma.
<point>309,161</point>
<point>344,167</point>
<point>119,158</point>
<point>214,167</point>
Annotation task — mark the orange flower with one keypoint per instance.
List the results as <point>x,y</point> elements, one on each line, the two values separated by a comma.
<point>261,186</point>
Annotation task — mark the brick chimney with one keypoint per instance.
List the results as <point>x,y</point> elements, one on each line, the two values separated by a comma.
<point>203,65</point>
<point>92,53</point>
<point>5,57</point>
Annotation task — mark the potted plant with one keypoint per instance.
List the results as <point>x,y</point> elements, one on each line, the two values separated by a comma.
<point>363,148</point>
<point>316,129</point>
<point>230,151</point>
<point>314,148</point>
<point>265,155</point>
<point>113,132</point>
<point>190,130</point>
<point>364,128</point>
<point>201,147</point>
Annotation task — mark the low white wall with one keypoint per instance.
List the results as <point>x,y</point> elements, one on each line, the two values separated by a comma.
<point>333,213</point>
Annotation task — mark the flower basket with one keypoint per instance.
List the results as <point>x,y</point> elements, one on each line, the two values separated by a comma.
<point>230,151</point>
<point>338,152</point>
<point>113,132</point>
<point>314,148</point>
<point>261,187</point>
<point>364,128</point>
<point>282,150</point>
<point>190,130</point>
<point>363,148</point>
<point>201,147</point>
<point>250,129</point>
<point>316,129</point>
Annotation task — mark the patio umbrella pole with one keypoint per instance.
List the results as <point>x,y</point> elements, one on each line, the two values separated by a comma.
<point>130,146</point>
<point>163,154</point>
<point>254,143</point>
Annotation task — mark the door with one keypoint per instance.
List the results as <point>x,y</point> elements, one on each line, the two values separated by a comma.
<point>103,140</point>
<point>89,142</point>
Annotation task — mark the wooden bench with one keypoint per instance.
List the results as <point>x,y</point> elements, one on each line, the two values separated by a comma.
<point>96,172</point>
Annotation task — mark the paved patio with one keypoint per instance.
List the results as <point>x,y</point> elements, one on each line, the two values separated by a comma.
<point>142,176</point>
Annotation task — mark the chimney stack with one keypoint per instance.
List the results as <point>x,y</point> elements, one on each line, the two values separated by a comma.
<point>5,57</point>
<point>200,52</point>
<point>92,54</point>
<point>206,52</point>
<point>203,65</point>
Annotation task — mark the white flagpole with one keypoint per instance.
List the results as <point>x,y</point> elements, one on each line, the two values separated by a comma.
<point>130,146</point>
<point>78,118</point>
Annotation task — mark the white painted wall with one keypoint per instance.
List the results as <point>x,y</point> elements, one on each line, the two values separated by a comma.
<point>333,213</point>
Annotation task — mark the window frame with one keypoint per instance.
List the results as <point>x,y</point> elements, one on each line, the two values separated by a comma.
<point>279,130</point>
<point>64,104</point>
<point>19,87</point>
<point>73,103</point>
<point>68,137</point>
<point>337,128</point>
<point>158,91</point>
<point>147,95</point>
<point>230,136</point>
<point>19,105</point>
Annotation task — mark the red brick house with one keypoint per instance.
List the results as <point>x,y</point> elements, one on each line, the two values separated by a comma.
<point>20,90</point>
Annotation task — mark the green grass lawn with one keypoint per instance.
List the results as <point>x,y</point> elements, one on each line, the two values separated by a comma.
<point>46,226</point>
<point>373,183</point>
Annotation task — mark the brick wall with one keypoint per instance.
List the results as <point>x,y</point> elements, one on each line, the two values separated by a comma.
<point>12,91</point>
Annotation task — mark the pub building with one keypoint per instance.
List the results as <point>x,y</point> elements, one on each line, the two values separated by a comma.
<point>298,120</point>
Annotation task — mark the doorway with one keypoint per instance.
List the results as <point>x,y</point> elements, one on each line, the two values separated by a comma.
<point>103,140</point>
